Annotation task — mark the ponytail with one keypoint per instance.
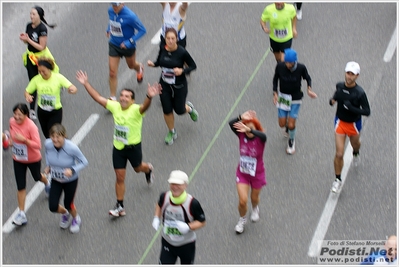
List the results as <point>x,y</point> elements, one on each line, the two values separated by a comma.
<point>40,11</point>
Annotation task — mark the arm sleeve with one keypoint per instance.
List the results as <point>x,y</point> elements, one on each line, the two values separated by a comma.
<point>197,211</point>
<point>275,79</point>
<point>260,134</point>
<point>161,199</point>
<point>156,62</point>
<point>231,123</point>
<point>80,160</point>
<point>64,81</point>
<point>34,137</point>
<point>306,76</point>
<point>190,63</point>
<point>141,31</point>
<point>364,106</point>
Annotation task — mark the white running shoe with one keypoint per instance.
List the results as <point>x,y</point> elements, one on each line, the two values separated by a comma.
<point>32,114</point>
<point>336,186</point>
<point>291,146</point>
<point>356,160</point>
<point>240,225</point>
<point>64,220</point>
<point>299,14</point>
<point>117,211</point>
<point>20,219</point>
<point>75,225</point>
<point>255,214</point>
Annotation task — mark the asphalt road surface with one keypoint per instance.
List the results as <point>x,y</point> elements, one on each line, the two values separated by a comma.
<point>234,74</point>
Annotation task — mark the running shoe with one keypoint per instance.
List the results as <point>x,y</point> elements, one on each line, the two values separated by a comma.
<point>336,186</point>
<point>6,142</point>
<point>64,221</point>
<point>150,176</point>
<point>32,114</point>
<point>170,137</point>
<point>140,74</point>
<point>291,146</point>
<point>255,214</point>
<point>20,219</point>
<point>240,225</point>
<point>299,14</point>
<point>117,211</point>
<point>193,113</point>
<point>356,160</point>
<point>75,225</point>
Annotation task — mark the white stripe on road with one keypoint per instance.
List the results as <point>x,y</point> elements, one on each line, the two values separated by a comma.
<point>329,208</point>
<point>391,46</point>
<point>38,187</point>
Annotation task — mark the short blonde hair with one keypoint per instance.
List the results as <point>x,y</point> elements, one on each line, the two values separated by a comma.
<point>58,129</point>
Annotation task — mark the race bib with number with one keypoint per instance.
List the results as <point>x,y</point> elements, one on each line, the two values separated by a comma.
<point>20,152</point>
<point>168,76</point>
<point>248,165</point>
<point>284,101</point>
<point>57,173</point>
<point>115,28</point>
<point>47,102</point>
<point>121,134</point>
<point>280,33</point>
<point>170,229</point>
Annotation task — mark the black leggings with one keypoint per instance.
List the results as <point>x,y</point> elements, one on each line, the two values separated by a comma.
<point>298,6</point>
<point>32,72</point>
<point>48,118</point>
<point>169,253</point>
<point>55,194</point>
<point>173,97</point>
<point>20,172</point>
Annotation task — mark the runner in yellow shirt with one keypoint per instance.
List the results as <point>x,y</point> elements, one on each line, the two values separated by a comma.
<point>48,85</point>
<point>281,18</point>
<point>128,118</point>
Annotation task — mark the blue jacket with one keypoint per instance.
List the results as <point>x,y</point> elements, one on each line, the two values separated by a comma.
<point>68,156</point>
<point>124,27</point>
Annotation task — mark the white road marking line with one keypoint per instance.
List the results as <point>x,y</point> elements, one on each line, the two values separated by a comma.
<point>38,187</point>
<point>391,46</point>
<point>324,222</point>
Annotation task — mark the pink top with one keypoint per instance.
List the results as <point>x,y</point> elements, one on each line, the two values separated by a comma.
<point>22,152</point>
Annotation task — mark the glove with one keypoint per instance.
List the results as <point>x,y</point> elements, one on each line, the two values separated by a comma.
<point>182,227</point>
<point>155,223</point>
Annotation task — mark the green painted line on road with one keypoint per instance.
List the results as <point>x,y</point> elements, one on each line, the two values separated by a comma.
<point>223,124</point>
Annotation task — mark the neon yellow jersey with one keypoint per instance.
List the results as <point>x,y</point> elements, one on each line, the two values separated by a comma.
<point>280,22</point>
<point>128,124</point>
<point>48,91</point>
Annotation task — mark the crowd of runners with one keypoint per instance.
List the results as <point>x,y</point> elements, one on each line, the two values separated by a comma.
<point>179,213</point>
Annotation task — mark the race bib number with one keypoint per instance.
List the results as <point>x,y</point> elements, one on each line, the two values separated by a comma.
<point>115,28</point>
<point>168,76</point>
<point>57,173</point>
<point>121,134</point>
<point>170,229</point>
<point>284,101</point>
<point>248,165</point>
<point>47,102</point>
<point>20,152</point>
<point>280,33</point>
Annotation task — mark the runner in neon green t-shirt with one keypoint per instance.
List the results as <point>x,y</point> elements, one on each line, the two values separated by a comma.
<point>281,18</point>
<point>128,119</point>
<point>48,85</point>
